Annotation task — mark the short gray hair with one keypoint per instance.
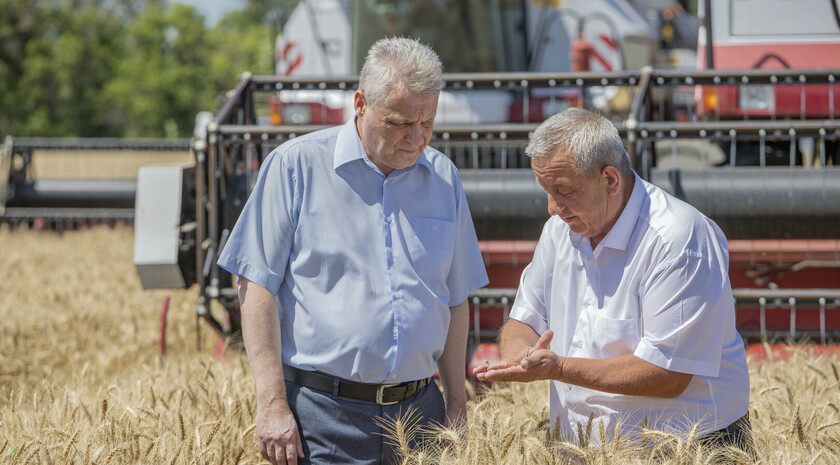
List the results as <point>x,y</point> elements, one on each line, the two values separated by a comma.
<point>591,139</point>
<point>400,63</point>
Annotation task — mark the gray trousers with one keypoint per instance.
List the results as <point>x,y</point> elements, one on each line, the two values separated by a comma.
<point>738,434</point>
<point>338,430</point>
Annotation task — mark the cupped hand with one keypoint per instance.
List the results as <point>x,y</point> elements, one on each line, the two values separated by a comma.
<point>537,363</point>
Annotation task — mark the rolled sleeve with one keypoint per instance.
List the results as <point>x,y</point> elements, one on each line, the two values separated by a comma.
<point>467,272</point>
<point>260,243</point>
<point>683,308</point>
<point>529,306</point>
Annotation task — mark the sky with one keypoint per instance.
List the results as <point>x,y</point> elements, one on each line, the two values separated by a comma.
<point>214,10</point>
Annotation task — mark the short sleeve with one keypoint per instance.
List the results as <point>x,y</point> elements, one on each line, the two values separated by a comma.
<point>529,306</point>
<point>260,243</point>
<point>684,304</point>
<point>467,272</point>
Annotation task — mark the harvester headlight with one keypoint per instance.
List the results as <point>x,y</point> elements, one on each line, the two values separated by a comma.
<point>710,99</point>
<point>296,113</point>
<point>757,97</point>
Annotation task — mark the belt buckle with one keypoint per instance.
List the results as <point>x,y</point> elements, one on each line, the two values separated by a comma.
<point>380,390</point>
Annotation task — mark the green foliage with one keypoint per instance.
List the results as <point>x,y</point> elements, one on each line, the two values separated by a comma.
<point>135,68</point>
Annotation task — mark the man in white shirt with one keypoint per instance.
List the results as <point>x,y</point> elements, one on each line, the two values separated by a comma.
<point>627,305</point>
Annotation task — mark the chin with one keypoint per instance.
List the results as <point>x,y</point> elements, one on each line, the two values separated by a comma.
<point>409,160</point>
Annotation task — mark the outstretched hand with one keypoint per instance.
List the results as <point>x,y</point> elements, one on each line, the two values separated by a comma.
<point>537,363</point>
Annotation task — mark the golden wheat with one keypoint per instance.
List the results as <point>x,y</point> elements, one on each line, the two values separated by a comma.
<point>81,382</point>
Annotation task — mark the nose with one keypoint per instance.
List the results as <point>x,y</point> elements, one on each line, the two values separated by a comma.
<point>554,205</point>
<point>414,135</point>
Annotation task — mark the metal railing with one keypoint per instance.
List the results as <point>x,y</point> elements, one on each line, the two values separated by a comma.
<point>239,139</point>
<point>69,202</point>
<point>795,301</point>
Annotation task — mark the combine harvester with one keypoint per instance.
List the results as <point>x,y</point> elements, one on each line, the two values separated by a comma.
<point>710,136</point>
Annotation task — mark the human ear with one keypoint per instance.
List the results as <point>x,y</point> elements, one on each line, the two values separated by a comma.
<point>359,103</point>
<point>612,178</point>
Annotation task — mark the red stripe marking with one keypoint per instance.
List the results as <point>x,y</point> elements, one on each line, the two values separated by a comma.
<point>609,41</point>
<point>293,65</point>
<point>601,60</point>
<point>282,53</point>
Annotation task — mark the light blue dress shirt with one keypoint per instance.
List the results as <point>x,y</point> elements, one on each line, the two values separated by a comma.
<point>364,267</point>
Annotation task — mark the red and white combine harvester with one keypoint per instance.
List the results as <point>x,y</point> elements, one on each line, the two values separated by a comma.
<point>329,38</point>
<point>770,35</point>
<point>509,67</point>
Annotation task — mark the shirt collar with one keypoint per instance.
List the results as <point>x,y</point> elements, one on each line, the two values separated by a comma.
<point>619,235</point>
<point>349,147</point>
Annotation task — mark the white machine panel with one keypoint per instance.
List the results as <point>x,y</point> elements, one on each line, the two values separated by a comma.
<point>157,214</point>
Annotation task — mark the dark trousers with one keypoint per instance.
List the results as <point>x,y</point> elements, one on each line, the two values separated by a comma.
<point>738,434</point>
<point>337,430</point>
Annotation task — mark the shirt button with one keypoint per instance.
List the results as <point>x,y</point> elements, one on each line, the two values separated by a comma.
<point>388,219</point>
<point>394,377</point>
<point>398,295</point>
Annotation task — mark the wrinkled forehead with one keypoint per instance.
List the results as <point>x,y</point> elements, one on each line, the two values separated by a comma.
<point>409,105</point>
<point>551,169</point>
<point>404,94</point>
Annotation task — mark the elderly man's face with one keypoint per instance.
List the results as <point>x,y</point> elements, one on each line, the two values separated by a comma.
<point>589,205</point>
<point>397,131</point>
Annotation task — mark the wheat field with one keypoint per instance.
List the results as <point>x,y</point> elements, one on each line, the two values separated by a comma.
<point>81,382</point>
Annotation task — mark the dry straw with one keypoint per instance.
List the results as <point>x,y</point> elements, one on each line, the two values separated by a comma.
<point>80,383</point>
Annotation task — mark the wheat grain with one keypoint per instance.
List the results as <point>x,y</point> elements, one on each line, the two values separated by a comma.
<point>181,429</point>
<point>175,457</point>
<point>71,444</point>
<point>104,299</point>
<point>31,455</point>
<point>213,432</point>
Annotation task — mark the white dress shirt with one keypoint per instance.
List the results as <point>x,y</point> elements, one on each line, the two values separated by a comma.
<point>657,287</point>
<point>365,267</point>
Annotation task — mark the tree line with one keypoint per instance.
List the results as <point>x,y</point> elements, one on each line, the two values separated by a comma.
<point>124,68</point>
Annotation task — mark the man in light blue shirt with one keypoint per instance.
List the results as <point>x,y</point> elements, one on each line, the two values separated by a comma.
<point>356,253</point>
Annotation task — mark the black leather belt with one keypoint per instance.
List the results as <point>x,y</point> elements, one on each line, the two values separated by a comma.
<point>382,394</point>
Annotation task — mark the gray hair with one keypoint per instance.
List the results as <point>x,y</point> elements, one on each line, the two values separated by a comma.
<point>591,139</point>
<point>400,63</point>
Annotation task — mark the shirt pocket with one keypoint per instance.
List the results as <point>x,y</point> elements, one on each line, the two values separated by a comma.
<point>613,337</point>
<point>431,246</point>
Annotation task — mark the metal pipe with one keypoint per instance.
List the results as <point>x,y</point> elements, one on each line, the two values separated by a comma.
<point>762,315</point>
<point>749,294</point>
<point>200,148</point>
<point>223,115</point>
<point>707,25</point>
<point>822,320</point>
<point>746,130</point>
<point>56,215</point>
<point>213,180</point>
<point>488,81</point>
<point>101,143</point>
<point>73,194</point>
<point>749,192</point>
<point>5,170</point>
<point>476,319</point>
<point>792,302</point>
<point>747,202</point>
